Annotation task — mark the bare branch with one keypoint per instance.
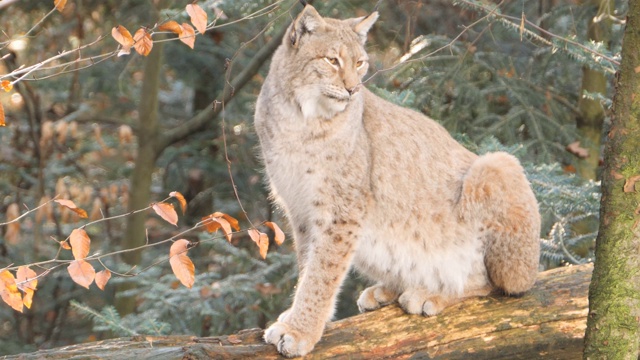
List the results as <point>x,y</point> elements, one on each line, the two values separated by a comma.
<point>202,119</point>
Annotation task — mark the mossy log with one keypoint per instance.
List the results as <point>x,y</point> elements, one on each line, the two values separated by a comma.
<point>546,323</point>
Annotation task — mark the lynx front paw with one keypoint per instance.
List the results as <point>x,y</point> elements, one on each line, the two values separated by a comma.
<point>374,297</point>
<point>289,342</point>
<point>419,302</point>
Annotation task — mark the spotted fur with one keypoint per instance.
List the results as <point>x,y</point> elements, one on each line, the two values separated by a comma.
<point>385,189</point>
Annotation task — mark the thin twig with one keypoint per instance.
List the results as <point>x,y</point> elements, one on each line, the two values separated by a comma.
<point>28,212</point>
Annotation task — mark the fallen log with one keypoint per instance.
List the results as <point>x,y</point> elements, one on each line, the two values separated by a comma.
<point>546,323</point>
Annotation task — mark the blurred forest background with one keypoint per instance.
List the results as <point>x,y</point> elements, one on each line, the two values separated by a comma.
<point>529,77</point>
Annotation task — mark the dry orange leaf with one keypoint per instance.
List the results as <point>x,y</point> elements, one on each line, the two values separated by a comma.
<point>172,26</point>
<point>188,35</point>
<point>279,234</point>
<point>124,38</point>
<point>26,279</point>
<point>181,265</point>
<point>9,291</point>
<point>102,277</point>
<point>12,235</point>
<point>167,212</point>
<point>578,150</point>
<point>198,17</point>
<point>80,243</point>
<point>27,299</point>
<point>181,199</point>
<point>226,228</point>
<point>72,206</point>
<point>59,4</point>
<point>262,240</point>
<point>2,123</point>
<point>630,184</point>
<point>143,42</point>
<point>522,26</point>
<point>212,224</point>
<point>65,245</point>
<point>6,85</point>
<point>232,221</point>
<point>81,272</point>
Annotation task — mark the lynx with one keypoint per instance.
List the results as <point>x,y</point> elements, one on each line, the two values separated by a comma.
<point>369,184</point>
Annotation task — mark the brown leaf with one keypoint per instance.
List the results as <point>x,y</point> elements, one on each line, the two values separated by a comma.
<point>230,219</point>
<point>59,4</point>
<point>268,289</point>
<point>198,17</point>
<point>262,240</point>
<point>6,85</point>
<point>188,35</point>
<point>172,26</point>
<point>12,234</point>
<point>80,243</point>
<point>630,184</point>
<point>577,150</point>
<point>72,206</point>
<point>522,26</point>
<point>181,199</point>
<point>9,291</point>
<point>81,272</point>
<point>27,299</point>
<point>2,123</point>
<point>210,224</point>
<point>102,277</point>
<point>616,175</point>
<point>181,265</point>
<point>143,42</point>
<point>125,134</point>
<point>65,245</point>
<point>26,278</point>
<point>167,212</point>
<point>279,234</point>
<point>124,38</point>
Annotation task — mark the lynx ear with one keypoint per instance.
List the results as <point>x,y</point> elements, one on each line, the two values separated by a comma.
<point>362,25</point>
<point>307,22</point>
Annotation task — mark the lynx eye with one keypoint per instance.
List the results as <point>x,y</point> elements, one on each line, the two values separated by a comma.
<point>359,63</point>
<point>333,61</point>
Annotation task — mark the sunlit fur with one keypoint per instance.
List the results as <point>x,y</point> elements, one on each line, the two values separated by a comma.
<point>369,184</point>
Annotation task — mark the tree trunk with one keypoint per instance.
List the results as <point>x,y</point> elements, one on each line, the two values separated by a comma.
<point>140,192</point>
<point>546,323</point>
<point>614,296</point>
<point>592,113</point>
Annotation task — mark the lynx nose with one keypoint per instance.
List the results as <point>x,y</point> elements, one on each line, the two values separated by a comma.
<point>353,90</point>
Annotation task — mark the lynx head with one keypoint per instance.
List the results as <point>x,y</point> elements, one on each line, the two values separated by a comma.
<point>322,61</point>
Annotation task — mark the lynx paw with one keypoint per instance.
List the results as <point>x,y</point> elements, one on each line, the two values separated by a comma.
<point>289,342</point>
<point>419,302</point>
<point>374,297</point>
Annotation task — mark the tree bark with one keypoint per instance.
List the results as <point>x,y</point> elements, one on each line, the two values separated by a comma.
<point>546,323</point>
<point>614,296</point>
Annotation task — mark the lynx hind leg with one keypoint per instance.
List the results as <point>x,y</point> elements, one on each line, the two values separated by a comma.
<point>376,296</point>
<point>496,192</point>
